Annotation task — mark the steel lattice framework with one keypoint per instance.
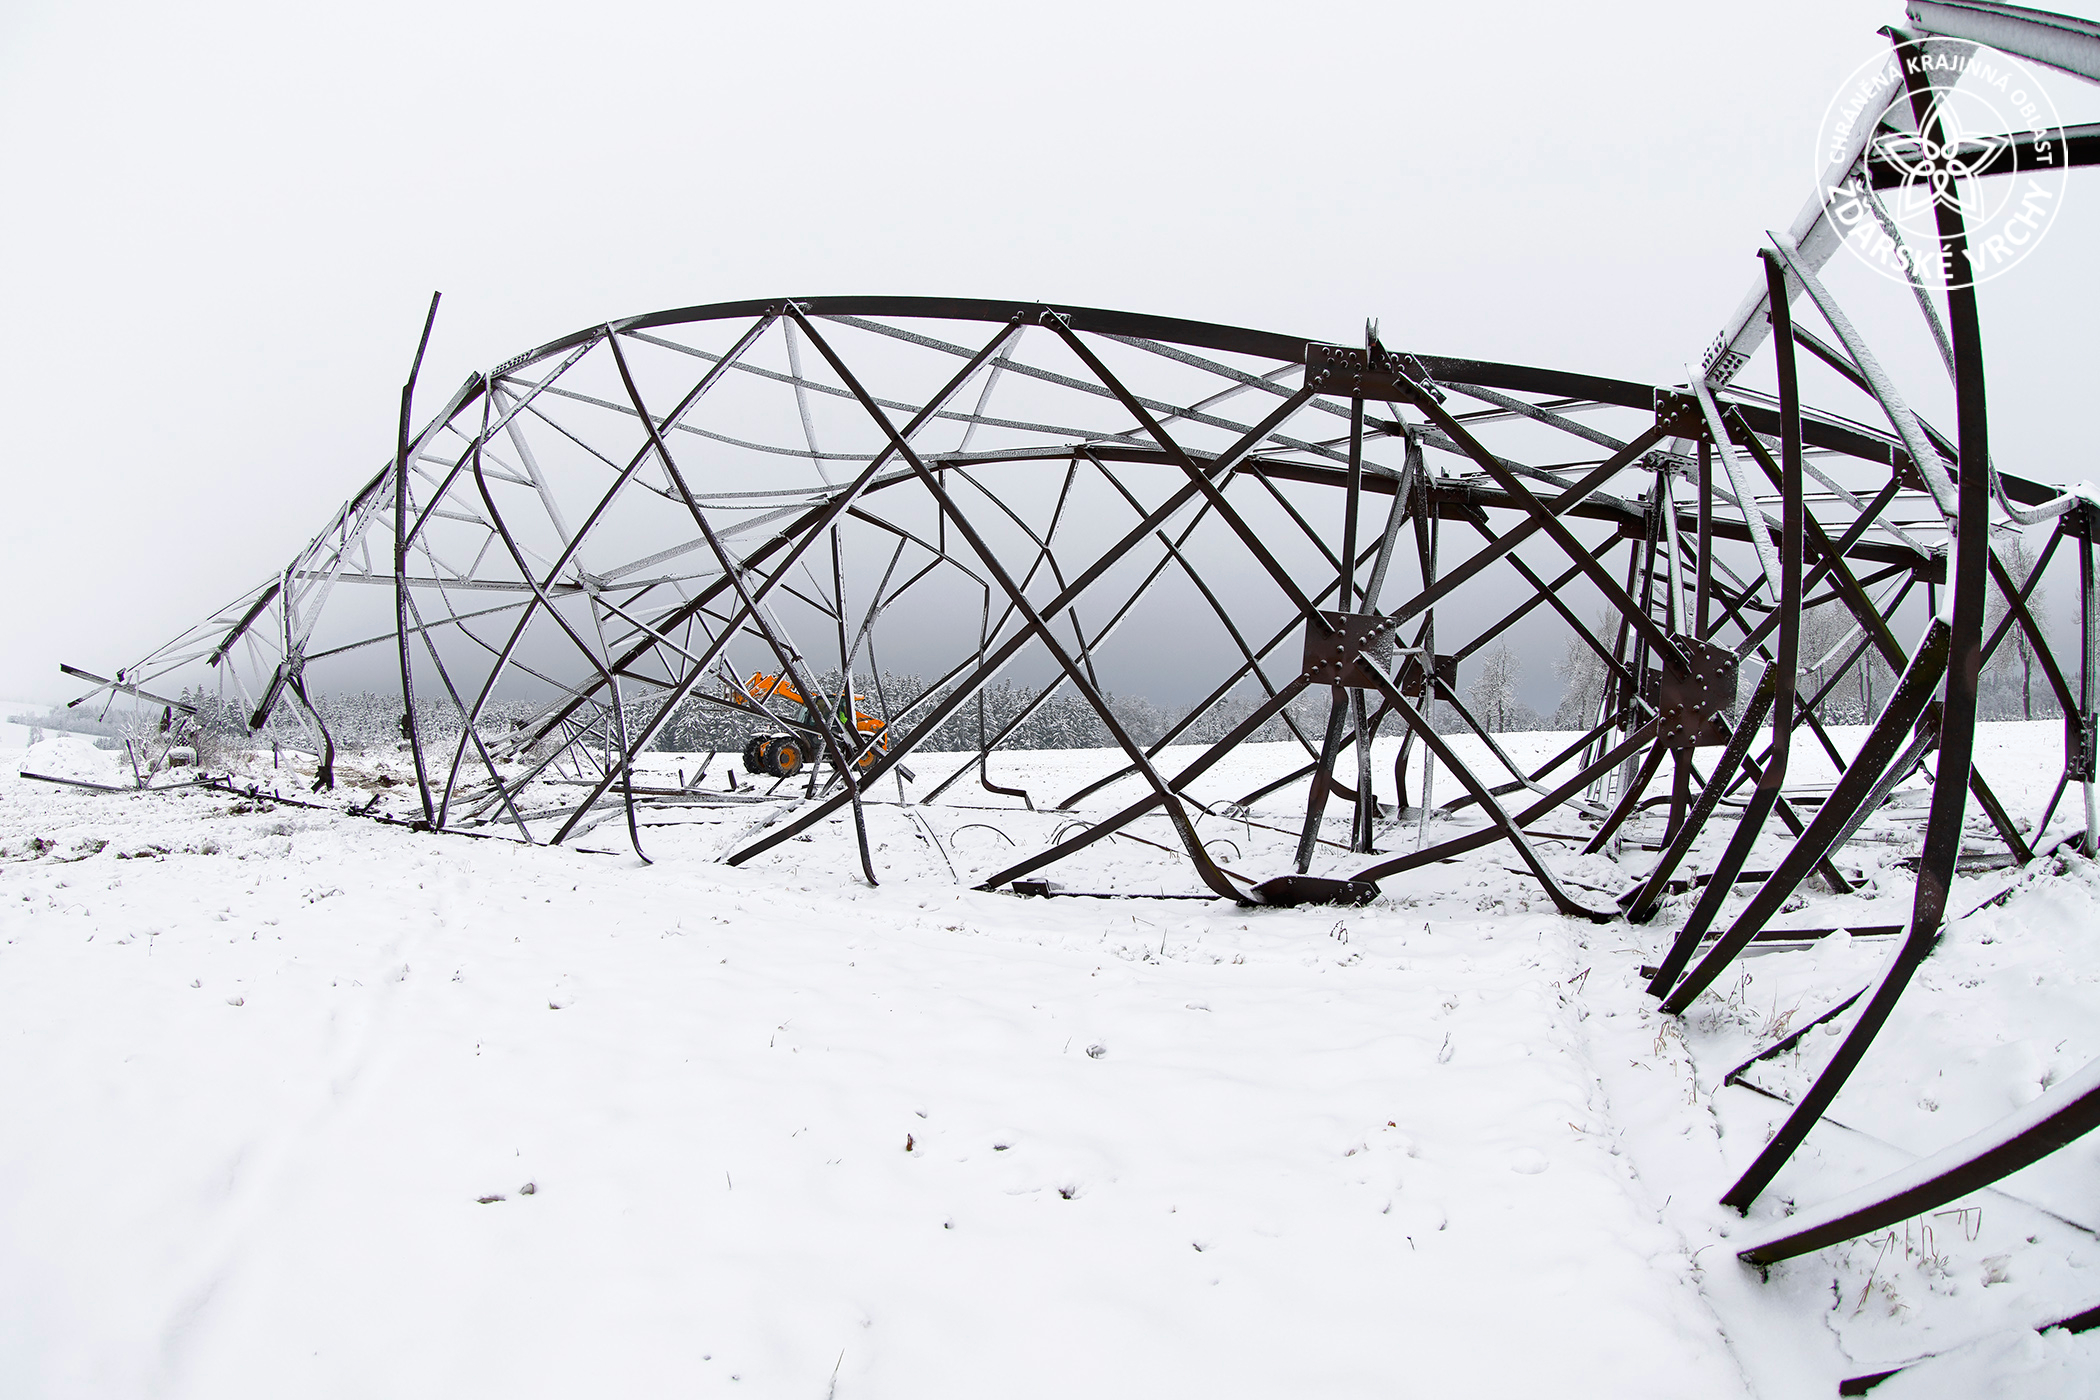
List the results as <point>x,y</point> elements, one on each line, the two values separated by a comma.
<point>628,519</point>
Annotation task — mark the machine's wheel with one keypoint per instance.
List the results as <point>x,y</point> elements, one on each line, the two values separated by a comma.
<point>783,755</point>
<point>755,753</point>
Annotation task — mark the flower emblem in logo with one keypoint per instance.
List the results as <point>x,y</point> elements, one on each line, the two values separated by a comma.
<point>1934,162</point>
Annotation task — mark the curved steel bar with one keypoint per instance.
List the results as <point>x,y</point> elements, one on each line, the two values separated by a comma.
<point>2023,1137</point>
<point>1943,832</point>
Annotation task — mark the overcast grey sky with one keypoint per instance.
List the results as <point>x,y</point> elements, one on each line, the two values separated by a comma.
<point>223,221</point>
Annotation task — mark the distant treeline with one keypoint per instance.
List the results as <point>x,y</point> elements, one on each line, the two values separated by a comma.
<point>1009,714</point>
<point>1841,677</point>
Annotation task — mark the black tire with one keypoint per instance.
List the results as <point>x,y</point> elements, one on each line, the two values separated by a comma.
<point>784,756</point>
<point>755,753</point>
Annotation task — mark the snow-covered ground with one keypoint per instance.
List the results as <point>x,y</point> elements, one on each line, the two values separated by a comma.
<point>293,1103</point>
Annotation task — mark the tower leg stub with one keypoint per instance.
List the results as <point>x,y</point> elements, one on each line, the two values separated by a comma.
<point>1290,891</point>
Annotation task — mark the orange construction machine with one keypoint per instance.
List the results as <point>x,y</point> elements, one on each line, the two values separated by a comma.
<point>783,754</point>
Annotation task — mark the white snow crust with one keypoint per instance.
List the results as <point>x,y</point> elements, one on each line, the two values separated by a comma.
<point>296,1103</point>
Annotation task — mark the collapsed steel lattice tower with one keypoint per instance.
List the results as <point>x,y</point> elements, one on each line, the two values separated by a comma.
<point>624,521</point>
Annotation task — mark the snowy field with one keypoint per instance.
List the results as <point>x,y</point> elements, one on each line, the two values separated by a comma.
<point>300,1104</point>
